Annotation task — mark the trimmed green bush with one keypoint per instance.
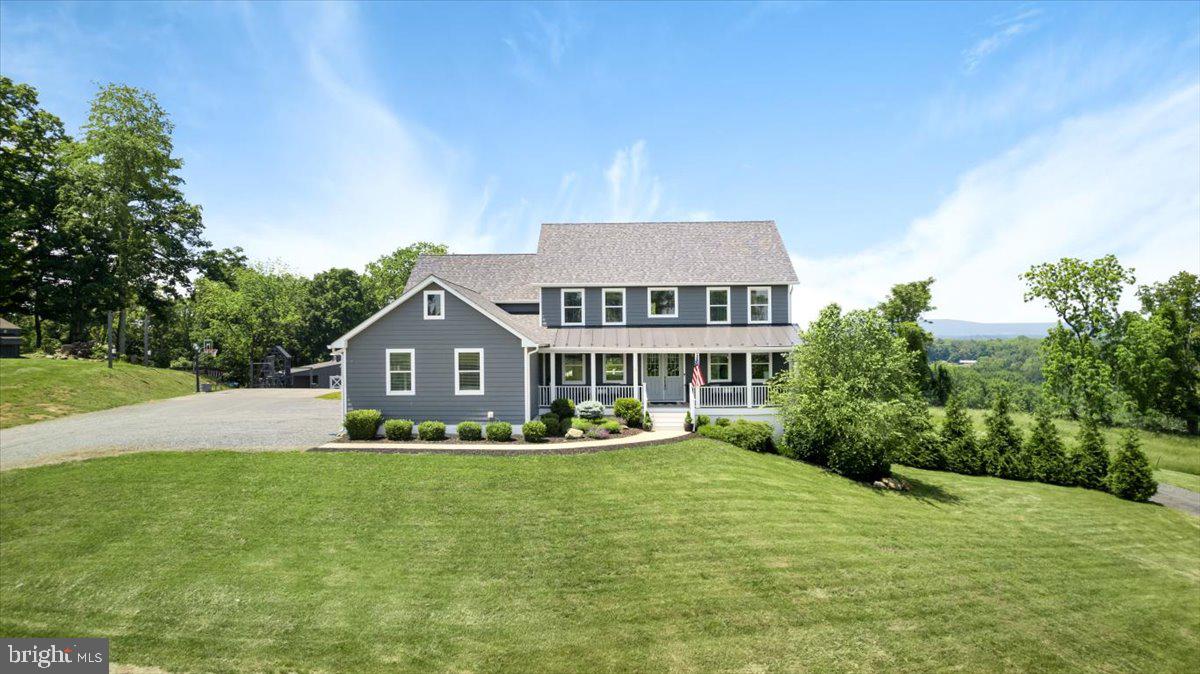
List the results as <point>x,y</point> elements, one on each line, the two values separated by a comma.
<point>647,422</point>
<point>687,421</point>
<point>563,408</point>
<point>582,424</point>
<point>362,424</point>
<point>629,410</point>
<point>469,430</point>
<point>431,430</point>
<point>702,420</point>
<point>722,421</point>
<point>1044,449</point>
<point>960,447</point>
<point>1130,476</point>
<point>1001,445</point>
<point>1091,457</point>
<point>591,409</point>
<point>398,429</point>
<point>611,426</point>
<point>752,435</point>
<point>533,431</point>
<point>501,431</point>
<point>553,429</point>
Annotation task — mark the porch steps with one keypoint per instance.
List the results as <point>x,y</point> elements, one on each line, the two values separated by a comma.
<point>667,418</point>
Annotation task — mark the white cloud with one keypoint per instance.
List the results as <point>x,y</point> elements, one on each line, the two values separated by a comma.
<point>1124,182</point>
<point>1007,29</point>
<point>634,194</point>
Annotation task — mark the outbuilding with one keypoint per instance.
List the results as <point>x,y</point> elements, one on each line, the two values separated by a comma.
<point>10,340</point>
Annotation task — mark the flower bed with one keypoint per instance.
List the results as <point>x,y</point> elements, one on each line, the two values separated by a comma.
<point>588,431</point>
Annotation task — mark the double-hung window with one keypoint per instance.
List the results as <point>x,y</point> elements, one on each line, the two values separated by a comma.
<point>401,378</point>
<point>614,368</point>
<point>614,306</point>
<point>662,302</point>
<point>468,372</point>
<point>573,368</point>
<point>718,305</point>
<point>720,367</point>
<point>760,367</point>
<point>759,302</point>
<point>435,305</point>
<point>572,306</point>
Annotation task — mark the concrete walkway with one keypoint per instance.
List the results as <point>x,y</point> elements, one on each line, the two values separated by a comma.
<point>579,447</point>
<point>1181,499</point>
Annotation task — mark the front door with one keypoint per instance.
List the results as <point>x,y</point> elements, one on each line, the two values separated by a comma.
<point>663,374</point>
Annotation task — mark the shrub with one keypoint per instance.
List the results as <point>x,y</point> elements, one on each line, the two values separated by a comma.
<point>1091,457</point>
<point>647,422</point>
<point>1044,450</point>
<point>687,421</point>
<point>533,431</point>
<point>713,432</point>
<point>362,424</point>
<point>722,421</point>
<point>702,420</point>
<point>553,429</point>
<point>796,444</point>
<point>922,448</point>
<point>563,408</point>
<point>628,409</point>
<point>582,424</point>
<point>398,429</point>
<point>591,409</point>
<point>960,447</point>
<point>611,426</point>
<point>1001,446</point>
<point>752,435</point>
<point>469,430</point>
<point>501,431</point>
<point>597,433</point>
<point>1129,476</point>
<point>431,430</point>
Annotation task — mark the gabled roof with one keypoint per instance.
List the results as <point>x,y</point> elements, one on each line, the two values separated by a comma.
<point>505,277</point>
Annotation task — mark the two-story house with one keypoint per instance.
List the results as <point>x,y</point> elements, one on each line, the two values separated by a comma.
<point>599,312</point>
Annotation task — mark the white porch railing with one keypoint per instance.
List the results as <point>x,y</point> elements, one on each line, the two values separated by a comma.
<point>608,393</point>
<point>576,393</point>
<point>730,396</point>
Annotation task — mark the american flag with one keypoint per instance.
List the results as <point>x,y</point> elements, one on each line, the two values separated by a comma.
<point>697,376</point>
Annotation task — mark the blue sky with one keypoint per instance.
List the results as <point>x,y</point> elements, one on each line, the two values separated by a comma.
<point>889,141</point>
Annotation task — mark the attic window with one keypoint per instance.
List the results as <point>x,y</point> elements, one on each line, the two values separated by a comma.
<point>435,304</point>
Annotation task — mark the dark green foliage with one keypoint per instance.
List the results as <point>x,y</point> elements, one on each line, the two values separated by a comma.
<point>1001,446</point>
<point>628,409</point>
<point>386,277</point>
<point>553,428</point>
<point>591,409</point>
<point>1091,457</point>
<point>923,451</point>
<point>398,429</point>
<point>941,385</point>
<point>563,408</point>
<point>431,431</point>
<point>702,420</point>
<point>721,421</point>
<point>611,426</point>
<point>582,424</point>
<point>532,431</point>
<point>1158,357</point>
<point>648,422</point>
<point>752,435</point>
<point>501,431</point>
<point>362,424</point>
<point>795,445</point>
<point>687,421</point>
<point>469,430</point>
<point>1044,450</point>
<point>861,453</point>
<point>1011,364</point>
<point>960,447</point>
<point>1130,476</point>
<point>334,302</point>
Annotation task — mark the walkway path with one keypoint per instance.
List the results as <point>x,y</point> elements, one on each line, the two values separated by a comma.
<point>1178,498</point>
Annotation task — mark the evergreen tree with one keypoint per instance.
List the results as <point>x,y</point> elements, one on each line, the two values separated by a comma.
<point>1002,442</point>
<point>959,444</point>
<point>1130,476</point>
<point>1091,457</point>
<point>1044,451</point>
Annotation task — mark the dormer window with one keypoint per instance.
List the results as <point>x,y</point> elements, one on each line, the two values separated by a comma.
<point>435,305</point>
<point>759,302</point>
<point>662,302</point>
<point>614,306</point>
<point>572,306</point>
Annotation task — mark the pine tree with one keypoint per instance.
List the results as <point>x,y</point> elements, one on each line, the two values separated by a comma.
<point>1130,476</point>
<point>1044,451</point>
<point>1002,442</point>
<point>1091,457</point>
<point>959,444</point>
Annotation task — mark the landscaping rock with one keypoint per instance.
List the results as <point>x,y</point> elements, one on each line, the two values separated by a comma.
<point>574,434</point>
<point>891,483</point>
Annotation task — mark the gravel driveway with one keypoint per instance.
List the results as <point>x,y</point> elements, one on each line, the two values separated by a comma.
<point>238,419</point>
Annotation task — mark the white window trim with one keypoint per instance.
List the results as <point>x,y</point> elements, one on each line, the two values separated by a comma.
<point>750,309</point>
<point>604,306</point>
<point>708,305</point>
<point>562,305</point>
<point>604,368</point>
<point>711,378</point>
<point>582,369</point>
<point>649,306</point>
<point>412,372</point>
<point>425,304</point>
<point>770,367</point>
<point>458,380</point>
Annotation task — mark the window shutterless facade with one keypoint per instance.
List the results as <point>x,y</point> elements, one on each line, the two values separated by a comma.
<point>662,302</point>
<point>401,377</point>
<point>614,306</point>
<point>572,306</point>
<point>758,302</point>
<point>614,368</point>
<point>760,367</point>
<point>468,372</point>
<point>720,368</point>
<point>718,305</point>
<point>572,365</point>
<point>435,304</point>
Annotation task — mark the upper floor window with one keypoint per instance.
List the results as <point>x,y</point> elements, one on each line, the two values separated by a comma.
<point>572,306</point>
<point>759,301</point>
<point>662,302</point>
<point>760,367</point>
<point>468,372</point>
<point>435,304</point>
<point>614,306</point>
<point>718,305</point>
<point>401,381</point>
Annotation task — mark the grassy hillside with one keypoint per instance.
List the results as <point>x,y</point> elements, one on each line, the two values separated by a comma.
<point>693,556</point>
<point>36,389</point>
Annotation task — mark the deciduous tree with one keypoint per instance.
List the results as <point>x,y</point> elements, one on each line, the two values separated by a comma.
<point>385,278</point>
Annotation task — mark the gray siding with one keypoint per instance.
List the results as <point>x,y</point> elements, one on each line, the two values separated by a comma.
<point>693,305</point>
<point>434,343</point>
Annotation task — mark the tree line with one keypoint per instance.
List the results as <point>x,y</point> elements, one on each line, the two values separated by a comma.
<point>99,223</point>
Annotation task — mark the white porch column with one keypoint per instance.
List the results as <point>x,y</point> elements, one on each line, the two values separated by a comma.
<point>592,379</point>
<point>553,375</point>
<point>637,379</point>
<point>749,385</point>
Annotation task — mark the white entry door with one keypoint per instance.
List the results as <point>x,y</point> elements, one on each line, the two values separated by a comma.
<point>663,374</point>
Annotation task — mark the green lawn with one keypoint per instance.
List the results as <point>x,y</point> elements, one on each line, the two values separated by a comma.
<point>1170,454</point>
<point>692,556</point>
<point>332,395</point>
<point>36,389</point>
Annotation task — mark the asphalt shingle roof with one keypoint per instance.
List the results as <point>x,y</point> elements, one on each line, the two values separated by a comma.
<point>501,277</point>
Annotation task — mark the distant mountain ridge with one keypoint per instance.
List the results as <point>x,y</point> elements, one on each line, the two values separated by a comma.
<point>949,328</point>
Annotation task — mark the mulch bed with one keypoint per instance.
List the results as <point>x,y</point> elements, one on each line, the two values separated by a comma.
<point>551,446</point>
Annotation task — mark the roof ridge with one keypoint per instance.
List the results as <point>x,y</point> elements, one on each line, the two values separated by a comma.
<point>666,222</point>
<point>468,254</point>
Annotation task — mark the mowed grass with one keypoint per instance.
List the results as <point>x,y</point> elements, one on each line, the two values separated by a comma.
<point>332,395</point>
<point>36,389</point>
<point>693,556</point>
<point>1170,453</point>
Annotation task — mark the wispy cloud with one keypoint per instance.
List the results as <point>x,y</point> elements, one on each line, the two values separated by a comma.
<point>634,194</point>
<point>545,40</point>
<point>1123,181</point>
<point>1006,30</point>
